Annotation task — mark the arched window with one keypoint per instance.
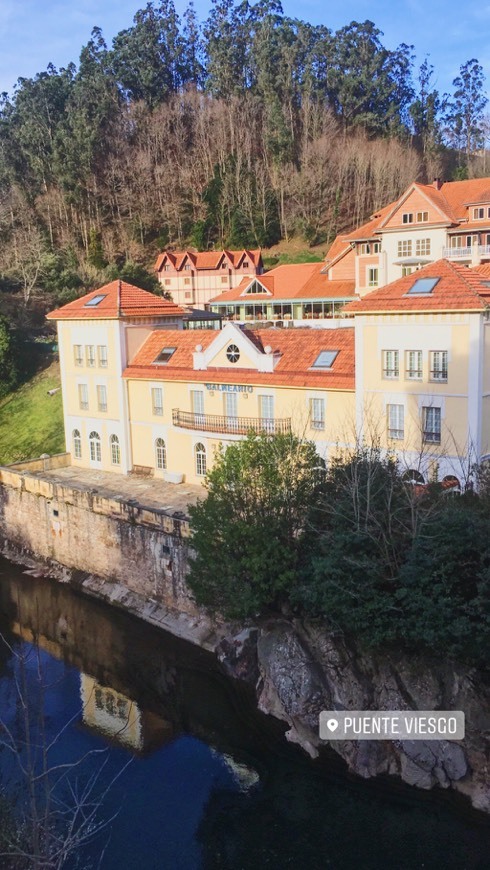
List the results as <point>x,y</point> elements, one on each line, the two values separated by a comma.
<point>115,450</point>
<point>200,454</point>
<point>160,453</point>
<point>77,444</point>
<point>413,476</point>
<point>95,451</point>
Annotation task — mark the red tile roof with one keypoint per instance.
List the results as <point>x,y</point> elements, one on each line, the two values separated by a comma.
<point>120,300</point>
<point>286,283</point>
<point>298,349</point>
<point>202,260</point>
<point>458,289</point>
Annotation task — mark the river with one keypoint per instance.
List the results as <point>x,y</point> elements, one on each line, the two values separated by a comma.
<point>211,783</point>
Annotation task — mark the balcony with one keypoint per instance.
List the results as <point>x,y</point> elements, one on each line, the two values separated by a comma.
<point>467,252</point>
<point>228,425</point>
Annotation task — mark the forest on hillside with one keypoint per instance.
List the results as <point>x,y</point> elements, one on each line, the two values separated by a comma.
<point>242,130</point>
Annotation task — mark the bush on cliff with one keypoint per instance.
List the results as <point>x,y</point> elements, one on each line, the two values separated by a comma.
<point>250,533</point>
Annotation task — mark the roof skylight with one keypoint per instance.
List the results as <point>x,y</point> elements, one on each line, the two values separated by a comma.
<point>95,300</point>
<point>423,286</point>
<point>165,354</point>
<point>325,359</point>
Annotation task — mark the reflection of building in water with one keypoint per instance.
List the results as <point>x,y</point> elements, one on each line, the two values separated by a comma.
<point>114,715</point>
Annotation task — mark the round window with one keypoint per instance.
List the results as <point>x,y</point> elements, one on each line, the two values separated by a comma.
<point>233,353</point>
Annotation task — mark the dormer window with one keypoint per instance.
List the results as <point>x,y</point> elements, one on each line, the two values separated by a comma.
<point>478,214</point>
<point>223,265</point>
<point>187,267</point>
<point>245,264</point>
<point>164,355</point>
<point>95,300</point>
<point>325,359</point>
<point>369,248</point>
<point>166,267</point>
<point>407,217</point>
<point>255,289</point>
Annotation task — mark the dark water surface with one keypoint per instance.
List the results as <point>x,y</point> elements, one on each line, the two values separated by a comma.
<point>212,782</point>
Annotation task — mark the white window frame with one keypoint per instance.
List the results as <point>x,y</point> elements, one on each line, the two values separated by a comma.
<point>160,454</point>
<point>95,447</point>
<point>317,413</point>
<point>391,364</point>
<point>438,366</point>
<point>115,450</point>
<point>395,422</point>
<point>200,459</point>
<point>77,443</point>
<point>90,355</point>
<point>373,276</point>
<point>407,217</point>
<point>422,247</point>
<point>157,401</point>
<point>83,396</point>
<point>404,248</point>
<point>78,355</point>
<point>101,398</point>
<point>102,356</point>
<point>413,365</point>
<point>422,217</point>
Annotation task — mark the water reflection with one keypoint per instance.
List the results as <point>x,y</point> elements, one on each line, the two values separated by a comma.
<point>213,784</point>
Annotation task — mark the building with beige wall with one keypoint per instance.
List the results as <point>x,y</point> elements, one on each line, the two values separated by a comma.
<point>193,278</point>
<point>407,366</point>
<point>422,363</point>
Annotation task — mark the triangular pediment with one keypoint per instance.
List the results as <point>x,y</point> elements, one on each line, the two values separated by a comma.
<point>255,288</point>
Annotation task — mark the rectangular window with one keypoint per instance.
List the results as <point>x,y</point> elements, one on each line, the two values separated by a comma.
<point>413,369</point>
<point>407,218</point>
<point>396,421</point>
<point>391,364</point>
<point>230,404</point>
<point>406,270</point>
<point>224,279</point>
<point>478,214</point>
<point>422,247</point>
<point>405,248</point>
<point>90,355</point>
<point>187,280</point>
<point>101,397</point>
<point>369,248</point>
<point>83,396</point>
<point>167,282</point>
<point>431,419</point>
<point>157,401</point>
<point>317,413</point>
<point>422,217</point>
<point>102,352</point>
<point>438,365</point>
<point>197,405</point>
<point>266,412</point>
<point>373,277</point>
<point>78,354</point>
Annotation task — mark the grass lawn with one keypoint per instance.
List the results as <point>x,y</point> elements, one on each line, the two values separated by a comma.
<point>31,422</point>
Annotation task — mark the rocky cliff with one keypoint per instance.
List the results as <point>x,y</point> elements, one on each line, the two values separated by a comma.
<point>300,669</point>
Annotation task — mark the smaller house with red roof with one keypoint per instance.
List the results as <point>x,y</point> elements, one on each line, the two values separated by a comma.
<point>193,278</point>
<point>300,294</point>
<point>428,222</point>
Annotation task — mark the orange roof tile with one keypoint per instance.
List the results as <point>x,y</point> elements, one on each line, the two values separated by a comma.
<point>208,259</point>
<point>119,299</point>
<point>286,283</point>
<point>458,289</point>
<point>297,348</point>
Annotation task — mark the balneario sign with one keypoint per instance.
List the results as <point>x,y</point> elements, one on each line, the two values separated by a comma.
<point>230,388</point>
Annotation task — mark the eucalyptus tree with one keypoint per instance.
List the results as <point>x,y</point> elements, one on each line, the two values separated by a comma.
<point>464,117</point>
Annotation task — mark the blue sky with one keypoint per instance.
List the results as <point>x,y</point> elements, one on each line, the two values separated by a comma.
<point>36,32</point>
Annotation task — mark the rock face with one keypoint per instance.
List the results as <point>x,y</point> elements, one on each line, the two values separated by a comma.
<point>303,670</point>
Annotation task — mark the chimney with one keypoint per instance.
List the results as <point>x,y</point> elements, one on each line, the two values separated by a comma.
<point>437,183</point>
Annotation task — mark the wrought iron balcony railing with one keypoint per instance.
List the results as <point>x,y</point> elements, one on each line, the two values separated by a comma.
<point>229,425</point>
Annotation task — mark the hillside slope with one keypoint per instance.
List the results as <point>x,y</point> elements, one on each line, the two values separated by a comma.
<point>31,421</point>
